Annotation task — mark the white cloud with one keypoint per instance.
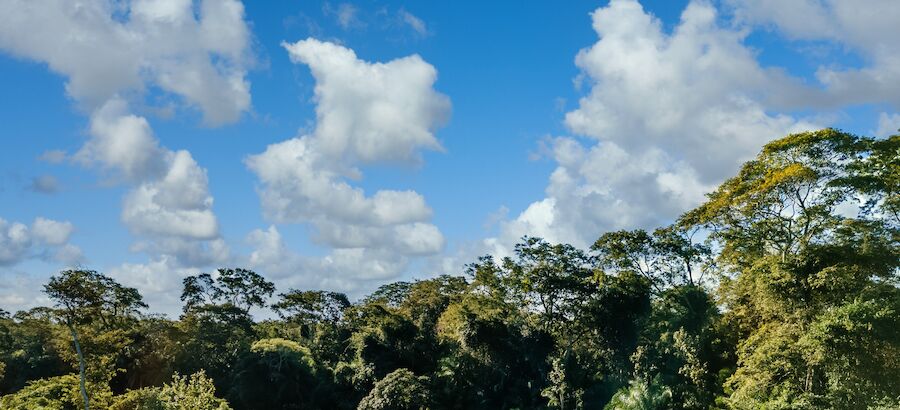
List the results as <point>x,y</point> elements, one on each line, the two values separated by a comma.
<point>178,205</point>
<point>300,186</point>
<point>867,27</point>
<point>345,14</point>
<point>371,112</point>
<point>350,270</point>
<point>45,239</point>
<point>52,232</point>
<point>18,291</point>
<point>112,53</point>
<point>169,202</point>
<point>159,281</point>
<point>888,124</point>
<point>365,113</point>
<point>15,242</point>
<point>123,143</point>
<point>413,22</point>
<point>667,117</point>
<point>105,48</point>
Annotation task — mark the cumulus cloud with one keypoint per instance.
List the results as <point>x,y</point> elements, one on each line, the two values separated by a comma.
<point>371,112</point>
<point>15,242</point>
<point>351,270</point>
<point>667,117</point>
<point>169,201</point>
<point>123,143</point>
<point>159,281</point>
<point>45,239</point>
<point>866,27</point>
<point>52,232</point>
<point>198,53</point>
<point>366,113</point>
<point>112,53</point>
<point>177,205</point>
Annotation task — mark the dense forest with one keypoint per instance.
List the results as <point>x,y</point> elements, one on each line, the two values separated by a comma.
<point>779,292</point>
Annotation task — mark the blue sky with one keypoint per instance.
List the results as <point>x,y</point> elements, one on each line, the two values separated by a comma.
<point>564,120</point>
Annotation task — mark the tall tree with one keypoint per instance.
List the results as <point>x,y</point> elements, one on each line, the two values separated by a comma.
<point>241,288</point>
<point>82,296</point>
<point>803,280</point>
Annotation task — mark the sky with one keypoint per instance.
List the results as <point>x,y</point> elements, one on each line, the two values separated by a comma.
<point>344,145</point>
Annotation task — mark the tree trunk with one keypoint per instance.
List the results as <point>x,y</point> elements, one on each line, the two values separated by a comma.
<point>84,393</point>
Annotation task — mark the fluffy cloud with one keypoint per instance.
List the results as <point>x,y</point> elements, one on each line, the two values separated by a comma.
<point>52,232</point>
<point>112,53</point>
<point>177,205</point>
<point>300,186</point>
<point>351,270</point>
<point>866,27</point>
<point>158,280</point>
<point>15,242</point>
<point>45,239</point>
<point>170,200</point>
<point>122,143</point>
<point>365,113</point>
<point>371,112</point>
<point>201,56</point>
<point>667,117</point>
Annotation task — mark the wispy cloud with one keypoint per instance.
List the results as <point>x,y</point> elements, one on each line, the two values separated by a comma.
<point>413,22</point>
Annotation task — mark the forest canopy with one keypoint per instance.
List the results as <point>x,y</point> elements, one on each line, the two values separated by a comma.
<point>779,292</point>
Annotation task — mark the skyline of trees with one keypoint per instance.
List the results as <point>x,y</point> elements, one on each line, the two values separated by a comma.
<point>768,295</point>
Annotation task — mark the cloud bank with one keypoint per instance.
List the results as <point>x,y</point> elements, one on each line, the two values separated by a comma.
<point>366,113</point>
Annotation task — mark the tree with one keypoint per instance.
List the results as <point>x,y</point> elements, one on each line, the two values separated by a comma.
<point>667,257</point>
<point>686,346</point>
<point>641,395</point>
<point>310,308</point>
<point>57,393</point>
<point>493,358</point>
<point>194,392</point>
<point>241,288</point>
<point>391,294</point>
<point>279,374</point>
<point>802,279</point>
<point>216,328</point>
<point>27,349</point>
<point>399,390</point>
<point>212,338</point>
<point>550,279</point>
<point>81,296</point>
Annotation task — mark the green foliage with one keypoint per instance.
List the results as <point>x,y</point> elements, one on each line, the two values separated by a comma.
<point>773,294</point>
<point>641,395</point>
<point>494,360</point>
<point>278,374</point>
<point>194,392</point>
<point>28,350</point>
<point>804,281</point>
<point>213,338</point>
<point>399,390</point>
<point>240,288</point>
<point>55,393</point>
<point>686,347</point>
